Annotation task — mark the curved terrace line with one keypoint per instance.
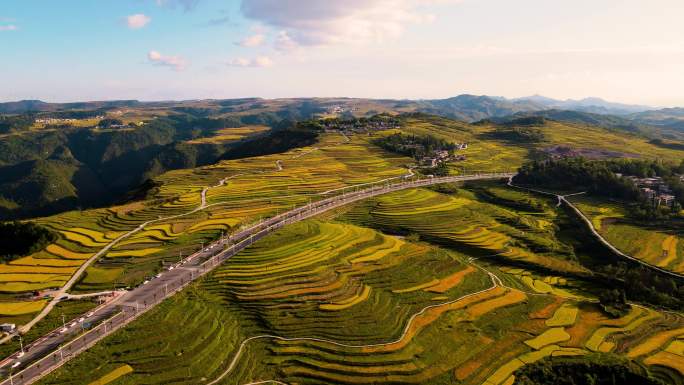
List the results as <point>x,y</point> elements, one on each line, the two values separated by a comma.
<point>496,282</point>
<point>267,226</point>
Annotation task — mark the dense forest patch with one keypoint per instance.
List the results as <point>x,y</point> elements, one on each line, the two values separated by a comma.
<point>18,239</point>
<point>597,369</point>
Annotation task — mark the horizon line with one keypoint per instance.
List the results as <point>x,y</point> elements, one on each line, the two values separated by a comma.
<point>517,98</point>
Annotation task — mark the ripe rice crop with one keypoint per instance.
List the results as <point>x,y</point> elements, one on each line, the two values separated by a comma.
<point>451,281</point>
<point>654,342</point>
<point>65,253</point>
<point>50,262</point>
<point>628,323</point>
<point>667,359</point>
<point>355,304</point>
<point>22,307</point>
<point>566,315</point>
<point>422,286</point>
<point>113,375</point>
<point>349,302</point>
<point>550,336</point>
<point>82,239</point>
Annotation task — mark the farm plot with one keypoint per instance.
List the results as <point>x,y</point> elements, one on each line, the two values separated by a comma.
<point>550,284</point>
<point>658,247</point>
<point>330,302</point>
<point>252,188</point>
<point>316,279</point>
<point>226,135</point>
<point>459,220</point>
<point>337,302</point>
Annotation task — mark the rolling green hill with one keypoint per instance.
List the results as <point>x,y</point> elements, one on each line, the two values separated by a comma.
<point>44,169</point>
<point>455,284</point>
<point>43,172</point>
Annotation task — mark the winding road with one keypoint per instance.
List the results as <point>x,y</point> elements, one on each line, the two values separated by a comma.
<point>563,199</point>
<point>61,292</point>
<point>496,282</point>
<point>56,348</point>
<point>133,303</point>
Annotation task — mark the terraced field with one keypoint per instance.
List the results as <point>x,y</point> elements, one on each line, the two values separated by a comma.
<point>661,247</point>
<point>178,220</point>
<point>256,187</point>
<point>488,153</point>
<point>330,302</point>
<point>441,286</point>
<point>231,134</point>
<point>462,220</point>
<point>333,302</point>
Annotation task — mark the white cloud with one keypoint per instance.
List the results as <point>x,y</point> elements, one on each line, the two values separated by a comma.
<point>316,22</point>
<point>262,61</point>
<point>8,27</point>
<point>284,42</point>
<point>253,41</point>
<point>175,62</point>
<point>137,21</point>
<point>259,61</point>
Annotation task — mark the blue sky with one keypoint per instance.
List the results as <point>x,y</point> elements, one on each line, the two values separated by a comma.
<point>622,50</point>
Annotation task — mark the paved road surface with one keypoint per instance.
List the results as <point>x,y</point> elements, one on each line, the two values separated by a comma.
<point>563,199</point>
<point>52,350</point>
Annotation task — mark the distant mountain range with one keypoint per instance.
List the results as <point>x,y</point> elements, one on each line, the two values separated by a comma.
<point>24,106</point>
<point>668,122</point>
<point>470,107</point>
<point>644,120</point>
<point>63,166</point>
<point>591,105</point>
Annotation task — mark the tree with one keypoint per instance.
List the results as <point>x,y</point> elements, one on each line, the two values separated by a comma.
<point>110,122</point>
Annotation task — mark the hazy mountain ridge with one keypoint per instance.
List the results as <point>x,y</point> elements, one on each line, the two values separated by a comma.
<point>590,104</point>
<point>472,107</point>
<point>469,107</point>
<point>600,120</point>
<point>464,107</point>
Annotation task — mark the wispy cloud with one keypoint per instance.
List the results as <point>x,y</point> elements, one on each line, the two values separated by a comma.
<point>259,61</point>
<point>176,62</point>
<point>315,22</point>
<point>137,21</point>
<point>8,27</point>
<point>252,41</point>
<point>284,42</point>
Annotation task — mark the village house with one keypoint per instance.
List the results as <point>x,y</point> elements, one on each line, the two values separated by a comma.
<point>653,189</point>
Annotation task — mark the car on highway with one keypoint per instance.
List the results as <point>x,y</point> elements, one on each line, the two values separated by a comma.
<point>64,297</point>
<point>90,314</point>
